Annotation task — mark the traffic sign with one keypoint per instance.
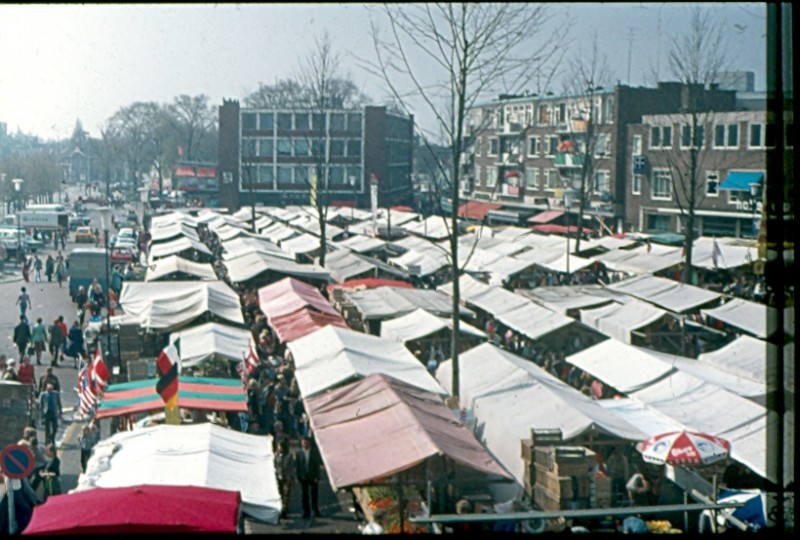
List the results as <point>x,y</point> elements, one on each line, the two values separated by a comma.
<point>16,461</point>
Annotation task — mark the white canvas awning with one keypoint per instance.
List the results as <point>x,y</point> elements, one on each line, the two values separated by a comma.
<point>670,295</point>
<point>554,259</point>
<point>534,321</point>
<point>245,245</point>
<point>620,365</point>
<point>648,420</point>
<point>495,300</point>
<point>203,455</point>
<point>636,262</point>
<point>343,265</point>
<point>173,230</point>
<point>228,232</point>
<point>391,302</point>
<point>749,316</point>
<point>332,356</point>
<point>174,247</point>
<point>252,265</point>
<point>422,263</point>
<point>745,357</point>
<point>505,267</point>
<point>619,320</point>
<point>730,255</point>
<point>170,219</point>
<point>172,266</point>
<point>361,244</point>
<point>419,324</point>
<point>487,243</point>
<point>300,244</point>
<point>432,227</point>
<point>469,287</point>
<point>563,299</point>
<point>212,340</point>
<point>277,232</point>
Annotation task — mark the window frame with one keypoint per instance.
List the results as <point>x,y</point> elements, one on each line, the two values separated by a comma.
<point>535,139</point>
<point>636,184</point>
<point>493,148</point>
<point>534,172</point>
<point>708,176</point>
<point>491,177</point>
<point>661,173</point>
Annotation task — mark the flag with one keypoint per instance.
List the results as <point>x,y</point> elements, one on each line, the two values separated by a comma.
<point>169,366</point>
<point>180,150</point>
<point>716,253</point>
<point>100,373</point>
<point>87,399</point>
<point>247,364</point>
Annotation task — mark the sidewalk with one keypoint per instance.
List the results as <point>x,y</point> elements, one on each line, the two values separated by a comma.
<point>10,274</point>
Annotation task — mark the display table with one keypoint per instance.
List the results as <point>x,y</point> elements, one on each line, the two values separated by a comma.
<point>380,505</point>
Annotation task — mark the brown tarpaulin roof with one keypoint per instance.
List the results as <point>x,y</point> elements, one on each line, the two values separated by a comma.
<point>379,426</point>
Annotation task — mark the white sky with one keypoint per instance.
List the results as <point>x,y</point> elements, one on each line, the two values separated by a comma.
<point>63,62</point>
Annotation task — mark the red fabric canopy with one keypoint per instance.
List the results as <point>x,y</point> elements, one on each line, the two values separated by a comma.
<point>550,228</point>
<point>401,208</point>
<point>184,170</point>
<point>298,324</point>
<point>379,426</point>
<point>206,172</point>
<point>138,509</point>
<point>369,283</point>
<point>289,295</point>
<point>546,217</point>
<point>476,210</point>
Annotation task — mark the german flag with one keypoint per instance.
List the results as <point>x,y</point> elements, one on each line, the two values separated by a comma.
<point>169,366</point>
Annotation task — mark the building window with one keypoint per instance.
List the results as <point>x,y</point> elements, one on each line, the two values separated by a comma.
<point>637,145</point>
<point>561,113</point>
<point>657,222</point>
<point>266,174</point>
<point>337,148</point>
<point>355,172</point>
<point>608,111</point>
<point>354,148</point>
<point>662,184</point>
<point>318,148</point>
<point>602,181</point>
<point>636,187</point>
<point>602,145</point>
<point>318,122</point>
<point>301,175</point>
<point>285,121</point>
<point>551,180</point>
<point>266,121</point>
<point>336,176</point>
<point>712,183</point>
<point>248,121</point>
<point>337,122</point>
<point>301,121</point>
<point>551,146</point>
<point>756,136</point>
<point>687,141</point>
<point>300,147</point>
<point>284,147</point>
<point>494,146</point>
<point>661,137</point>
<point>533,146</point>
<point>726,136</point>
<point>249,148</point>
<point>354,122</point>
<point>491,176</point>
<point>543,118</point>
<point>284,175</point>
<point>265,147</point>
<point>532,178</point>
<point>478,147</point>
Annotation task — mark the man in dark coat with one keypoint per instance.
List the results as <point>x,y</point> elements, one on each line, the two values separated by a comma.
<point>22,335</point>
<point>308,463</point>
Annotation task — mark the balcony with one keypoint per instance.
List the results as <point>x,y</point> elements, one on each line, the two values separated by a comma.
<point>511,128</point>
<point>568,160</point>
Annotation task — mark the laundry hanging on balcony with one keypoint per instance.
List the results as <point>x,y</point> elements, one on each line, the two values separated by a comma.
<point>566,146</point>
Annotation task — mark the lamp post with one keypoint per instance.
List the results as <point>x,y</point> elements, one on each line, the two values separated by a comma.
<point>567,205</point>
<point>754,189</point>
<point>353,185</point>
<point>105,222</point>
<point>17,191</point>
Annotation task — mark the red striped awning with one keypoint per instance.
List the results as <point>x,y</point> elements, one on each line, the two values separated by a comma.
<point>184,170</point>
<point>206,172</point>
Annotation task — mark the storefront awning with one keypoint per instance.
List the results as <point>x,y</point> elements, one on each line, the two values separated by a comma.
<point>546,216</point>
<point>185,170</point>
<point>476,210</point>
<point>741,180</point>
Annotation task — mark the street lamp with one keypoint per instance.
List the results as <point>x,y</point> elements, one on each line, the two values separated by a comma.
<point>105,223</point>
<point>754,192</point>
<point>567,204</point>
<point>17,190</point>
<point>352,179</point>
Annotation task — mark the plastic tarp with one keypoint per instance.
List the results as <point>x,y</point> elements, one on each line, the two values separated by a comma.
<point>333,356</point>
<point>173,266</point>
<point>212,340</point>
<point>126,510</point>
<point>509,396</point>
<point>379,426</point>
<point>343,265</point>
<point>433,227</point>
<point>244,245</point>
<point>202,455</point>
<point>170,305</point>
<point>362,244</point>
<point>419,324</point>
<point>289,295</point>
<point>303,322</point>
<point>745,357</point>
<point>563,299</point>
<point>703,406</point>
<point>619,365</point>
<point>391,302</point>
<point>252,265</point>
<point>751,317</point>
<point>665,293</point>
<point>173,230</point>
<point>175,247</point>
<point>619,320</point>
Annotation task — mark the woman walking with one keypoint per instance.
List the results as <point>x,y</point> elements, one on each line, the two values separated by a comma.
<point>49,267</point>
<point>39,339</point>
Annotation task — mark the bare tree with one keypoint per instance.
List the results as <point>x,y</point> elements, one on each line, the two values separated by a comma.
<point>446,57</point>
<point>194,121</point>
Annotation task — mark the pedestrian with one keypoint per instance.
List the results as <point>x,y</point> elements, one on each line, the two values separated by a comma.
<point>49,267</point>
<point>38,265</point>
<point>57,340</point>
<point>51,472</point>
<point>87,440</point>
<point>49,378</point>
<point>76,345</point>
<point>82,300</point>
<point>39,339</point>
<point>22,335</point>
<point>24,303</point>
<point>307,466</point>
<point>286,474</point>
<point>50,405</point>
<point>61,269</point>
<point>26,266</point>
<point>10,373</point>
<point>27,373</point>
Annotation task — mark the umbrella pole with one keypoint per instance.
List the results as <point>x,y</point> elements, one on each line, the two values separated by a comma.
<point>714,496</point>
<point>685,513</point>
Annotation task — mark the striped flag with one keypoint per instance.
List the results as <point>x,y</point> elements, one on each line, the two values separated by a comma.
<point>87,398</point>
<point>100,373</point>
<point>169,366</point>
<point>247,364</point>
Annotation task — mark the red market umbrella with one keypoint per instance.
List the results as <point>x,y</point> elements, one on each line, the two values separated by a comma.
<point>684,448</point>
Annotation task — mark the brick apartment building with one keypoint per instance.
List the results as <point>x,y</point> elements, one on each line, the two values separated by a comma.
<point>273,157</point>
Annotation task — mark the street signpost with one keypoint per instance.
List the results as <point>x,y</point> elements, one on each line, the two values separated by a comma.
<point>16,462</point>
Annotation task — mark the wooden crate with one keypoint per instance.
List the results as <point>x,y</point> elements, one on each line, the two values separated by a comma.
<point>565,460</point>
<point>526,450</point>
<point>560,486</point>
<point>545,500</point>
<point>546,437</point>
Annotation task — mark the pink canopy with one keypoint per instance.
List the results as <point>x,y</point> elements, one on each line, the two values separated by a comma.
<point>546,217</point>
<point>379,426</point>
<point>551,228</point>
<point>288,295</point>
<point>302,322</point>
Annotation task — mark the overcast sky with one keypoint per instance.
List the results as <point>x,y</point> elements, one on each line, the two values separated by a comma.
<point>63,62</point>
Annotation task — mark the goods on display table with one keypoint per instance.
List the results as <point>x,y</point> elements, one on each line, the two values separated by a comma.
<point>380,505</point>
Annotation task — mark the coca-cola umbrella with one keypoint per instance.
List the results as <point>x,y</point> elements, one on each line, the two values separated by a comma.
<point>685,448</point>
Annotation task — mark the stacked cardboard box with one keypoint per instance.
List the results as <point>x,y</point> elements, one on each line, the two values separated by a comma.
<point>547,437</point>
<point>563,477</point>
<point>601,492</point>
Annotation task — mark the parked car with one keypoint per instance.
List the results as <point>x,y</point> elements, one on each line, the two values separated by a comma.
<point>78,220</point>
<point>132,217</point>
<point>84,234</point>
<point>122,254</point>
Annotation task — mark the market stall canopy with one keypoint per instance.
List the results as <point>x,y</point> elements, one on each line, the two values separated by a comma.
<point>637,261</point>
<point>245,214</point>
<point>648,420</point>
<point>744,357</point>
<point>419,324</point>
<point>620,320</point>
<point>262,223</point>
<point>277,232</point>
<point>469,287</point>
<point>493,300</point>
<point>367,283</point>
<point>546,217</point>
<point>212,340</point>
<point>344,265</point>
<point>753,318</point>
<point>227,222</point>
<point>332,356</point>
<point>228,232</point>
<point>432,227</point>
<point>175,247</point>
<point>166,220</point>
<point>608,243</point>
<point>665,293</point>
<point>201,393</point>
<point>476,210</point>
<point>414,243</point>
<point>206,217</point>
<point>422,262</point>
<point>620,366</point>
<point>170,305</point>
<point>310,224</point>
<point>391,302</point>
<point>361,244</point>
<point>567,298</point>
<point>379,426</point>
<point>174,268</point>
<point>534,321</point>
<point>398,217</point>
<point>289,295</point>
<point>204,455</point>
<point>252,265</point>
<point>552,228</point>
<point>488,243</point>
<point>130,510</point>
<point>504,268</point>
<point>245,245</point>
<point>554,259</point>
<point>477,260</point>
<point>303,322</point>
<point>173,230</point>
<point>729,255</point>
<point>500,388</point>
